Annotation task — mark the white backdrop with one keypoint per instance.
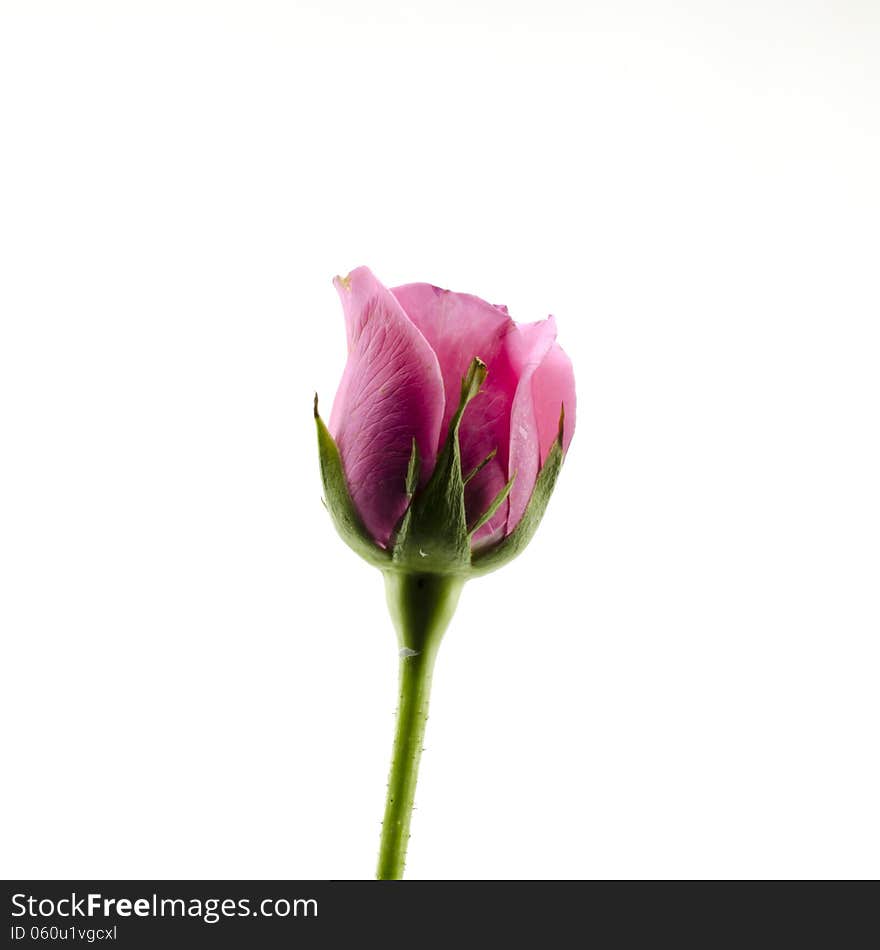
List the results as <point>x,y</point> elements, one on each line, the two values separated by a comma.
<point>679,677</point>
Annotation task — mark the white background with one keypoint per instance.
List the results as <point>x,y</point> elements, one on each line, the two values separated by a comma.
<point>679,678</point>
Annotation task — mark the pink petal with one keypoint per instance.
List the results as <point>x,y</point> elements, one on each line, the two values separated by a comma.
<point>459,327</point>
<point>535,342</point>
<point>552,388</point>
<point>391,393</point>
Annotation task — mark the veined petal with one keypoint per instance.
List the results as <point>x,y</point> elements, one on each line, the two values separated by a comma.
<point>458,328</point>
<point>553,387</point>
<point>534,342</point>
<point>391,393</point>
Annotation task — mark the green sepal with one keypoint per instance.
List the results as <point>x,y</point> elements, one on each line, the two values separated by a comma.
<point>412,470</point>
<point>412,483</point>
<point>337,500</point>
<point>479,468</point>
<point>433,535</point>
<point>494,505</point>
<point>497,555</point>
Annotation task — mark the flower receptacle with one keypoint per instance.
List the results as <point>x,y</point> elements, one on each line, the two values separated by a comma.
<point>421,607</point>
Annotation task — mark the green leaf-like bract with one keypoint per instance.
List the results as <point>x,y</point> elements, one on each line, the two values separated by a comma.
<point>412,483</point>
<point>338,500</point>
<point>494,505</point>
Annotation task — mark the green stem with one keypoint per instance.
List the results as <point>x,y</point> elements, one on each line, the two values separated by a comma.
<point>421,606</point>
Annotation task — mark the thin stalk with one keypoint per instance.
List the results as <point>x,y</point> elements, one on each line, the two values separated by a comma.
<point>421,606</point>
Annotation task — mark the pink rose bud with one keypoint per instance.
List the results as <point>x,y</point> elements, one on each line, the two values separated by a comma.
<point>445,441</point>
<point>448,429</point>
